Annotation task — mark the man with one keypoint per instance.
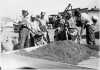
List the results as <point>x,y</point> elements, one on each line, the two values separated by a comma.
<point>73,30</point>
<point>43,26</point>
<point>60,32</point>
<point>24,19</point>
<point>36,31</point>
<point>24,34</point>
<point>84,21</point>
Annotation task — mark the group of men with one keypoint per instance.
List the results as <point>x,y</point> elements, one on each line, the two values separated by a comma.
<point>85,21</point>
<point>32,28</point>
<point>79,22</point>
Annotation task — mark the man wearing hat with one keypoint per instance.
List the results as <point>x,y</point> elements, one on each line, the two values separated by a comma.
<point>24,34</point>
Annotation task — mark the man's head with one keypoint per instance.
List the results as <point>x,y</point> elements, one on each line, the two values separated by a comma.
<point>25,13</point>
<point>77,13</point>
<point>59,16</point>
<point>32,18</point>
<point>42,14</point>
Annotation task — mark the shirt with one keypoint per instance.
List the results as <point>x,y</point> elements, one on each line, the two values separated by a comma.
<point>86,17</point>
<point>72,23</point>
<point>35,26</point>
<point>25,21</point>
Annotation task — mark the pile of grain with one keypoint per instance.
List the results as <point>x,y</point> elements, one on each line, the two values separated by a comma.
<point>61,51</point>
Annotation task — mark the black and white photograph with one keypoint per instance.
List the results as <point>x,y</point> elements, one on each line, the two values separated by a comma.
<point>49,34</point>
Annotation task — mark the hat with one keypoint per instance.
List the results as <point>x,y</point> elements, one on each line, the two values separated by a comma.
<point>94,18</point>
<point>42,13</point>
<point>25,12</point>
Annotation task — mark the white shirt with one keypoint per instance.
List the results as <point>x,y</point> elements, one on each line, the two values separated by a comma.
<point>44,20</point>
<point>25,21</point>
<point>86,17</point>
<point>35,26</point>
<point>72,23</point>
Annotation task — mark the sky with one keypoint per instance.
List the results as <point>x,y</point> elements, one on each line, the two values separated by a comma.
<point>12,8</point>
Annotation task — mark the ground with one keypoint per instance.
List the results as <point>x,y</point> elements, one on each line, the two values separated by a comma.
<point>64,52</point>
